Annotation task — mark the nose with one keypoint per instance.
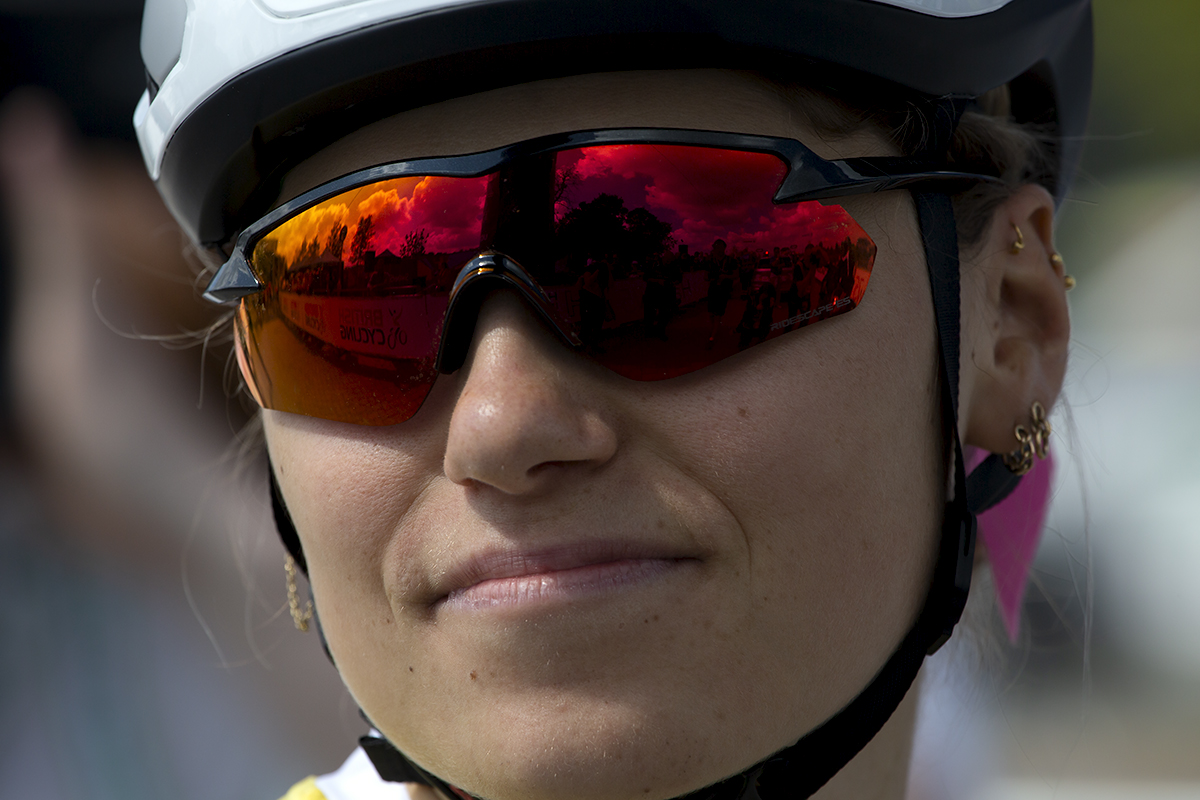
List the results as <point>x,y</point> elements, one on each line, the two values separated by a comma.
<point>528,414</point>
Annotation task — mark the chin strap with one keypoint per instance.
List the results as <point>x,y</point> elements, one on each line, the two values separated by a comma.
<point>283,521</point>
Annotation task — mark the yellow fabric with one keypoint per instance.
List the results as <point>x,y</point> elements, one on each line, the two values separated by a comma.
<point>304,790</point>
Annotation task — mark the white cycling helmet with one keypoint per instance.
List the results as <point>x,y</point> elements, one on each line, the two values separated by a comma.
<point>240,90</point>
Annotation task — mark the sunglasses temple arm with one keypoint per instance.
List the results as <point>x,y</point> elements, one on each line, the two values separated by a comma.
<point>868,175</point>
<point>233,281</point>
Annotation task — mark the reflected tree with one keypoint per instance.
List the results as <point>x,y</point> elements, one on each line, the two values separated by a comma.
<point>414,243</point>
<point>363,242</point>
<point>564,181</point>
<point>648,236</point>
<point>310,250</point>
<point>335,243</point>
<point>268,265</point>
<point>604,226</point>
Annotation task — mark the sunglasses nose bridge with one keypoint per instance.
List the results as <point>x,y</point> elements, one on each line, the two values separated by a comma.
<point>474,283</point>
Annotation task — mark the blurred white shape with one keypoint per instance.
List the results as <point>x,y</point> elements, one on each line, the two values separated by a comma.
<point>1134,395</point>
<point>1088,790</point>
<point>959,741</point>
<point>949,8</point>
<point>1144,305</point>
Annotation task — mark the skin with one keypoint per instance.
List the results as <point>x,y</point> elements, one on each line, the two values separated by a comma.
<point>797,488</point>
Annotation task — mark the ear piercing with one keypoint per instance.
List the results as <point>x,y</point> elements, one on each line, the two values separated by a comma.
<point>1055,259</point>
<point>1029,442</point>
<point>1068,280</point>
<point>1019,244</point>
<point>299,617</point>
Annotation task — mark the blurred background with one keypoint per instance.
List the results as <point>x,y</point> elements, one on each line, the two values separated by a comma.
<point>1100,697</point>
<point>147,651</point>
<point>145,646</point>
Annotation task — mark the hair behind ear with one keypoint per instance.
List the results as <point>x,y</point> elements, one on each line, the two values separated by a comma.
<point>1017,154</point>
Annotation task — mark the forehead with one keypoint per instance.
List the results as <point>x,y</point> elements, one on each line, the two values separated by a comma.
<point>718,100</point>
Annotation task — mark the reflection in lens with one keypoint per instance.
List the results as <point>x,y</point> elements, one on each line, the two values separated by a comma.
<point>670,258</point>
<point>355,289</point>
<point>661,259</point>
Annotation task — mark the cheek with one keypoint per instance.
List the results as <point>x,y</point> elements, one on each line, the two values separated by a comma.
<point>347,488</point>
<point>824,446</point>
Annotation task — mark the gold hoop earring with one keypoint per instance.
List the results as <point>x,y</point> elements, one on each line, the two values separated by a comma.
<point>1029,442</point>
<point>300,618</point>
<point>1019,244</point>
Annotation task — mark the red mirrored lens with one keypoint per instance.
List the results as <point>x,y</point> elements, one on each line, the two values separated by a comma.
<point>354,291</point>
<point>683,259</point>
<point>662,259</point>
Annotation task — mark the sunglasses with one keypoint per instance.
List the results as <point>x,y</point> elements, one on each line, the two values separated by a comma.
<point>653,252</point>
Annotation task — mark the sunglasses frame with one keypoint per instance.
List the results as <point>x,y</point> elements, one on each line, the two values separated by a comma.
<point>809,177</point>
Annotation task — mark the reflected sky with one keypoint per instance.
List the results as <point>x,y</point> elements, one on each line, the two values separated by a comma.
<point>703,194</point>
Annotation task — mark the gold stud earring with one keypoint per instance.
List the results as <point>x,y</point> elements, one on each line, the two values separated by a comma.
<point>1019,244</point>
<point>1061,266</point>
<point>299,617</point>
<point>1029,442</point>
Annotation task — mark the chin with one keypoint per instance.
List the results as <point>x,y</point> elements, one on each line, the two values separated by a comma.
<point>582,749</point>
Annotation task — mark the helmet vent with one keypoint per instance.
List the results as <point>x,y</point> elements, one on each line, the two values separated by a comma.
<point>949,8</point>
<point>162,37</point>
<point>302,8</point>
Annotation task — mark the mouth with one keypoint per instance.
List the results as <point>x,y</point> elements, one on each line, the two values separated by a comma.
<point>515,578</point>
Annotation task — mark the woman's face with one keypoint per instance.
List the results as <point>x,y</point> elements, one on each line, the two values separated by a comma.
<point>555,582</point>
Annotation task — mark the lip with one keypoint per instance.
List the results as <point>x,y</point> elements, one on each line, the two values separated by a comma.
<point>512,577</point>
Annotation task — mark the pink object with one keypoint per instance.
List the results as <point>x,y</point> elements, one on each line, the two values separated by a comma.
<point>1010,531</point>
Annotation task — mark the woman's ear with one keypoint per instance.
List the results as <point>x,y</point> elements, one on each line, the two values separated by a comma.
<point>1016,326</point>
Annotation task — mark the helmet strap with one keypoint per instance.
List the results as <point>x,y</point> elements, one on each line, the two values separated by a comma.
<point>283,521</point>
<point>800,770</point>
<point>803,768</point>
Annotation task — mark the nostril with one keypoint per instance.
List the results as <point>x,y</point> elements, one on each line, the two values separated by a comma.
<point>545,466</point>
